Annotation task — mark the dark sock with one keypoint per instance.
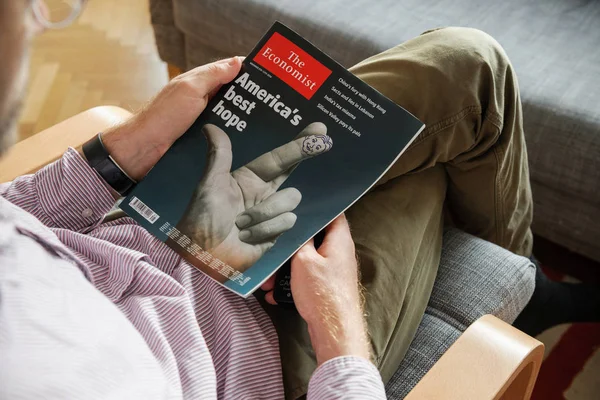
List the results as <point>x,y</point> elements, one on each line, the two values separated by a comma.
<point>554,303</point>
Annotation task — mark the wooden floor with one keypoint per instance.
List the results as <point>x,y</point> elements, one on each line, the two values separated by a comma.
<point>107,57</point>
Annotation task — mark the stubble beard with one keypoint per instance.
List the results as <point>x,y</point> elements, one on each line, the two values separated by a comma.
<point>8,125</point>
<point>9,120</point>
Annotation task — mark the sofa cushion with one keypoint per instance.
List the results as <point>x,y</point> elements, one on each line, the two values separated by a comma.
<point>475,278</point>
<point>434,336</point>
<point>552,44</point>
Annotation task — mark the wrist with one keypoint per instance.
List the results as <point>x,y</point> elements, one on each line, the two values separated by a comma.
<point>132,149</point>
<point>335,337</point>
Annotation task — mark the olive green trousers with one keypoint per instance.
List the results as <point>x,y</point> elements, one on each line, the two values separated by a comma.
<point>469,166</point>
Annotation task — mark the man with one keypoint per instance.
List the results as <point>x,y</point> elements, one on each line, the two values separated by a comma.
<point>101,309</point>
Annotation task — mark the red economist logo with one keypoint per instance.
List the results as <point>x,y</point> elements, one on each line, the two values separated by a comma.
<point>292,65</point>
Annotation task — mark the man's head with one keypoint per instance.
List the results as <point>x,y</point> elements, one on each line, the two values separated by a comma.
<point>17,26</point>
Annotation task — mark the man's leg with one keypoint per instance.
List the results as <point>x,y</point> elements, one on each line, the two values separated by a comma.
<point>472,153</point>
<point>397,229</point>
<point>461,84</point>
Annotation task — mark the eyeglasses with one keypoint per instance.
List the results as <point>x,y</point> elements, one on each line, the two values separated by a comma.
<point>57,14</point>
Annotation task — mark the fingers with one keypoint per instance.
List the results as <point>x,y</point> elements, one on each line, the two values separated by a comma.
<point>270,299</point>
<point>316,128</point>
<point>278,203</point>
<point>219,156</point>
<point>278,161</point>
<point>269,284</point>
<point>268,229</point>
<point>308,247</point>
<point>337,236</point>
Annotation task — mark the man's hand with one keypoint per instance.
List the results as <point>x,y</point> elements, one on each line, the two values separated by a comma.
<point>326,292</point>
<point>238,216</point>
<point>140,142</point>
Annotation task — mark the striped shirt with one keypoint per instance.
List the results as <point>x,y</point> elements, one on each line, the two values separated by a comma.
<point>92,309</point>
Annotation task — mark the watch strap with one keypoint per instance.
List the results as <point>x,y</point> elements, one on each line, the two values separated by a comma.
<point>100,160</point>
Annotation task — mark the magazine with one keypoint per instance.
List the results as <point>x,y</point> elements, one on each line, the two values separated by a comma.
<point>292,142</point>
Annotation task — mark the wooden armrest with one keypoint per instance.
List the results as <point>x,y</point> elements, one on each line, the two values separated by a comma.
<point>40,149</point>
<point>490,360</point>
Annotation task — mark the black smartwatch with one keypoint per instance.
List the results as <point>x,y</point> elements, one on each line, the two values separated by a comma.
<point>99,159</point>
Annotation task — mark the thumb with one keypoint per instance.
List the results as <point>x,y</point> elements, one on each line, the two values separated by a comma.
<point>337,236</point>
<point>211,77</point>
<point>307,250</point>
<point>218,155</point>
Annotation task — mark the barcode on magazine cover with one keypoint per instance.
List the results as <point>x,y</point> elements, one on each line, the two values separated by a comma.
<point>143,210</point>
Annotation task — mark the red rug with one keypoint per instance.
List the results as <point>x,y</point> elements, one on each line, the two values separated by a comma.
<point>571,367</point>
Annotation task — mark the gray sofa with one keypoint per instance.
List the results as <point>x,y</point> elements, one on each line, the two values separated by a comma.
<point>552,44</point>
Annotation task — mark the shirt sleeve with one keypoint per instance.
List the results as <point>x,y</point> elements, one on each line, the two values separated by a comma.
<point>66,194</point>
<point>346,377</point>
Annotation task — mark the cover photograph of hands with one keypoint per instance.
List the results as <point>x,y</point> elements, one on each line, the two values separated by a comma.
<point>143,261</point>
<point>238,215</point>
